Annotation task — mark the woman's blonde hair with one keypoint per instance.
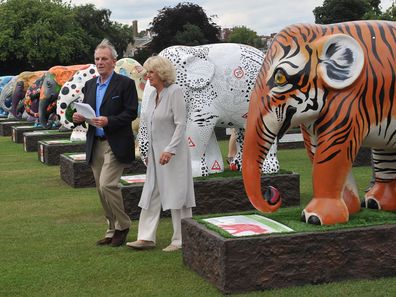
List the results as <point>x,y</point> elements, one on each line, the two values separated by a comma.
<point>163,67</point>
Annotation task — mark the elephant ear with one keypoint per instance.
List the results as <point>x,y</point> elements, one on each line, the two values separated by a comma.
<point>342,60</point>
<point>199,72</point>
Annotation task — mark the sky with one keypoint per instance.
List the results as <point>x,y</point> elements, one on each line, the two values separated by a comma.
<point>263,16</point>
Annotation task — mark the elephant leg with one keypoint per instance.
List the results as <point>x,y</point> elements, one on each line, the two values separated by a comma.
<point>213,157</point>
<point>79,133</point>
<point>198,138</point>
<point>350,195</point>
<point>236,162</point>
<point>383,194</point>
<point>143,141</point>
<point>330,186</point>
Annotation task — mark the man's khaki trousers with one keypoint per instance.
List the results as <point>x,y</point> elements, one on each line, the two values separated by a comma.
<point>107,172</point>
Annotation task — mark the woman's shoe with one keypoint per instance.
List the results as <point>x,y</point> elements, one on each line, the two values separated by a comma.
<point>172,248</point>
<point>141,245</point>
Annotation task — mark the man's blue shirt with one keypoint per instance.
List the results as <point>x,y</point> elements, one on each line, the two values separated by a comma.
<point>100,92</point>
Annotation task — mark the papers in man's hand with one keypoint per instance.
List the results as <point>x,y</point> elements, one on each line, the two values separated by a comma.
<point>85,110</point>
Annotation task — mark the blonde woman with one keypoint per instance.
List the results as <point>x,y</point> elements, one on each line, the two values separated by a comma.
<point>169,180</point>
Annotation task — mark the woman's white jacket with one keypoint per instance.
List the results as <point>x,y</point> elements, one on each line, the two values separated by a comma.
<point>166,128</point>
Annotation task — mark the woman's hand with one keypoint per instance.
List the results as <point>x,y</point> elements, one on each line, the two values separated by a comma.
<point>165,158</point>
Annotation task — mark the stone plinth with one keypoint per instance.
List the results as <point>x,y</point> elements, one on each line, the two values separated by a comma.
<point>291,141</point>
<point>31,139</point>
<point>237,265</point>
<point>75,172</point>
<point>49,151</point>
<point>6,126</point>
<point>221,195</point>
<point>17,132</point>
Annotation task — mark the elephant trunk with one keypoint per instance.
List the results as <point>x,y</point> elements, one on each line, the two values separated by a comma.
<point>43,112</point>
<point>258,140</point>
<point>17,96</point>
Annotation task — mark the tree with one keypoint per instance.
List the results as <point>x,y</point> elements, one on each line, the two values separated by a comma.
<point>246,36</point>
<point>97,25</point>
<point>335,11</point>
<point>190,35</point>
<point>38,34</point>
<point>390,13</point>
<point>180,24</point>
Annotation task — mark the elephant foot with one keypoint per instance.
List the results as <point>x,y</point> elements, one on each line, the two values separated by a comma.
<point>234,164</point>
<point>382,196</point>
<point>325,211</point>
<point>351,200</point>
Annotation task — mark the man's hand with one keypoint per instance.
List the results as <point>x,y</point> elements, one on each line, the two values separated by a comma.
<point>99,122</point>
<point>78,118</point>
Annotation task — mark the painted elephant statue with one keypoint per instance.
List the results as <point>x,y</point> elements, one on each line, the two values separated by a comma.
<point>6,95</point>
<point>24,80</point>
<point>134,70</point>
<point>31,101</point>
<point>54,79</point>
<point>72,91</point>
<point>3,82</point>
<point>217,80</point>
<point>337,82</point>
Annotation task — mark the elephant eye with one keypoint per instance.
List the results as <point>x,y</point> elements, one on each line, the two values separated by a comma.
<point>280,77</point>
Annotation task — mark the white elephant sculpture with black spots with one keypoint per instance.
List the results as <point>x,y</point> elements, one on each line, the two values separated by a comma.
<point>217,81</point>
<point>72,91</point>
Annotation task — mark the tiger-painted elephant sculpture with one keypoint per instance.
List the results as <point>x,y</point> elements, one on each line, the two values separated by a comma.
<point>337,82</point>
<point>3,82</point>
<point>31,101</point>
<point>54,79</point>
<point>217,80</point>
<point>72,91</point>
<point>24,80</point>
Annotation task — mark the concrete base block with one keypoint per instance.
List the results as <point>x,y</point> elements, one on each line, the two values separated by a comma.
<point>291,141</point>
<point>221,195</point>
<point>50,150</point>
<point>18,131</point>
<point>75,172</point>
<point>237,265</point>
<point>6,126</point>
<point>31,139</point>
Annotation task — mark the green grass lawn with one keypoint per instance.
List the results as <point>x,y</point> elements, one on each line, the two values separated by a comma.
<point>48,232</point>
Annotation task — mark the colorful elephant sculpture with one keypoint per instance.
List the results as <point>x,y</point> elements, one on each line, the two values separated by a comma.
<point>4,80</point>
<point>72,91</point>
<point>54,79</point>
<point>337,82</point>
<point>24,80</point>
<point>31,101</point>
<point>217,81</point>
<point>6,95</point>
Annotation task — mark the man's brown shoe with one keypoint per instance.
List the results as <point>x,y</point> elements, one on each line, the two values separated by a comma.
<point>104,241</point>
<point>119,237</point>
